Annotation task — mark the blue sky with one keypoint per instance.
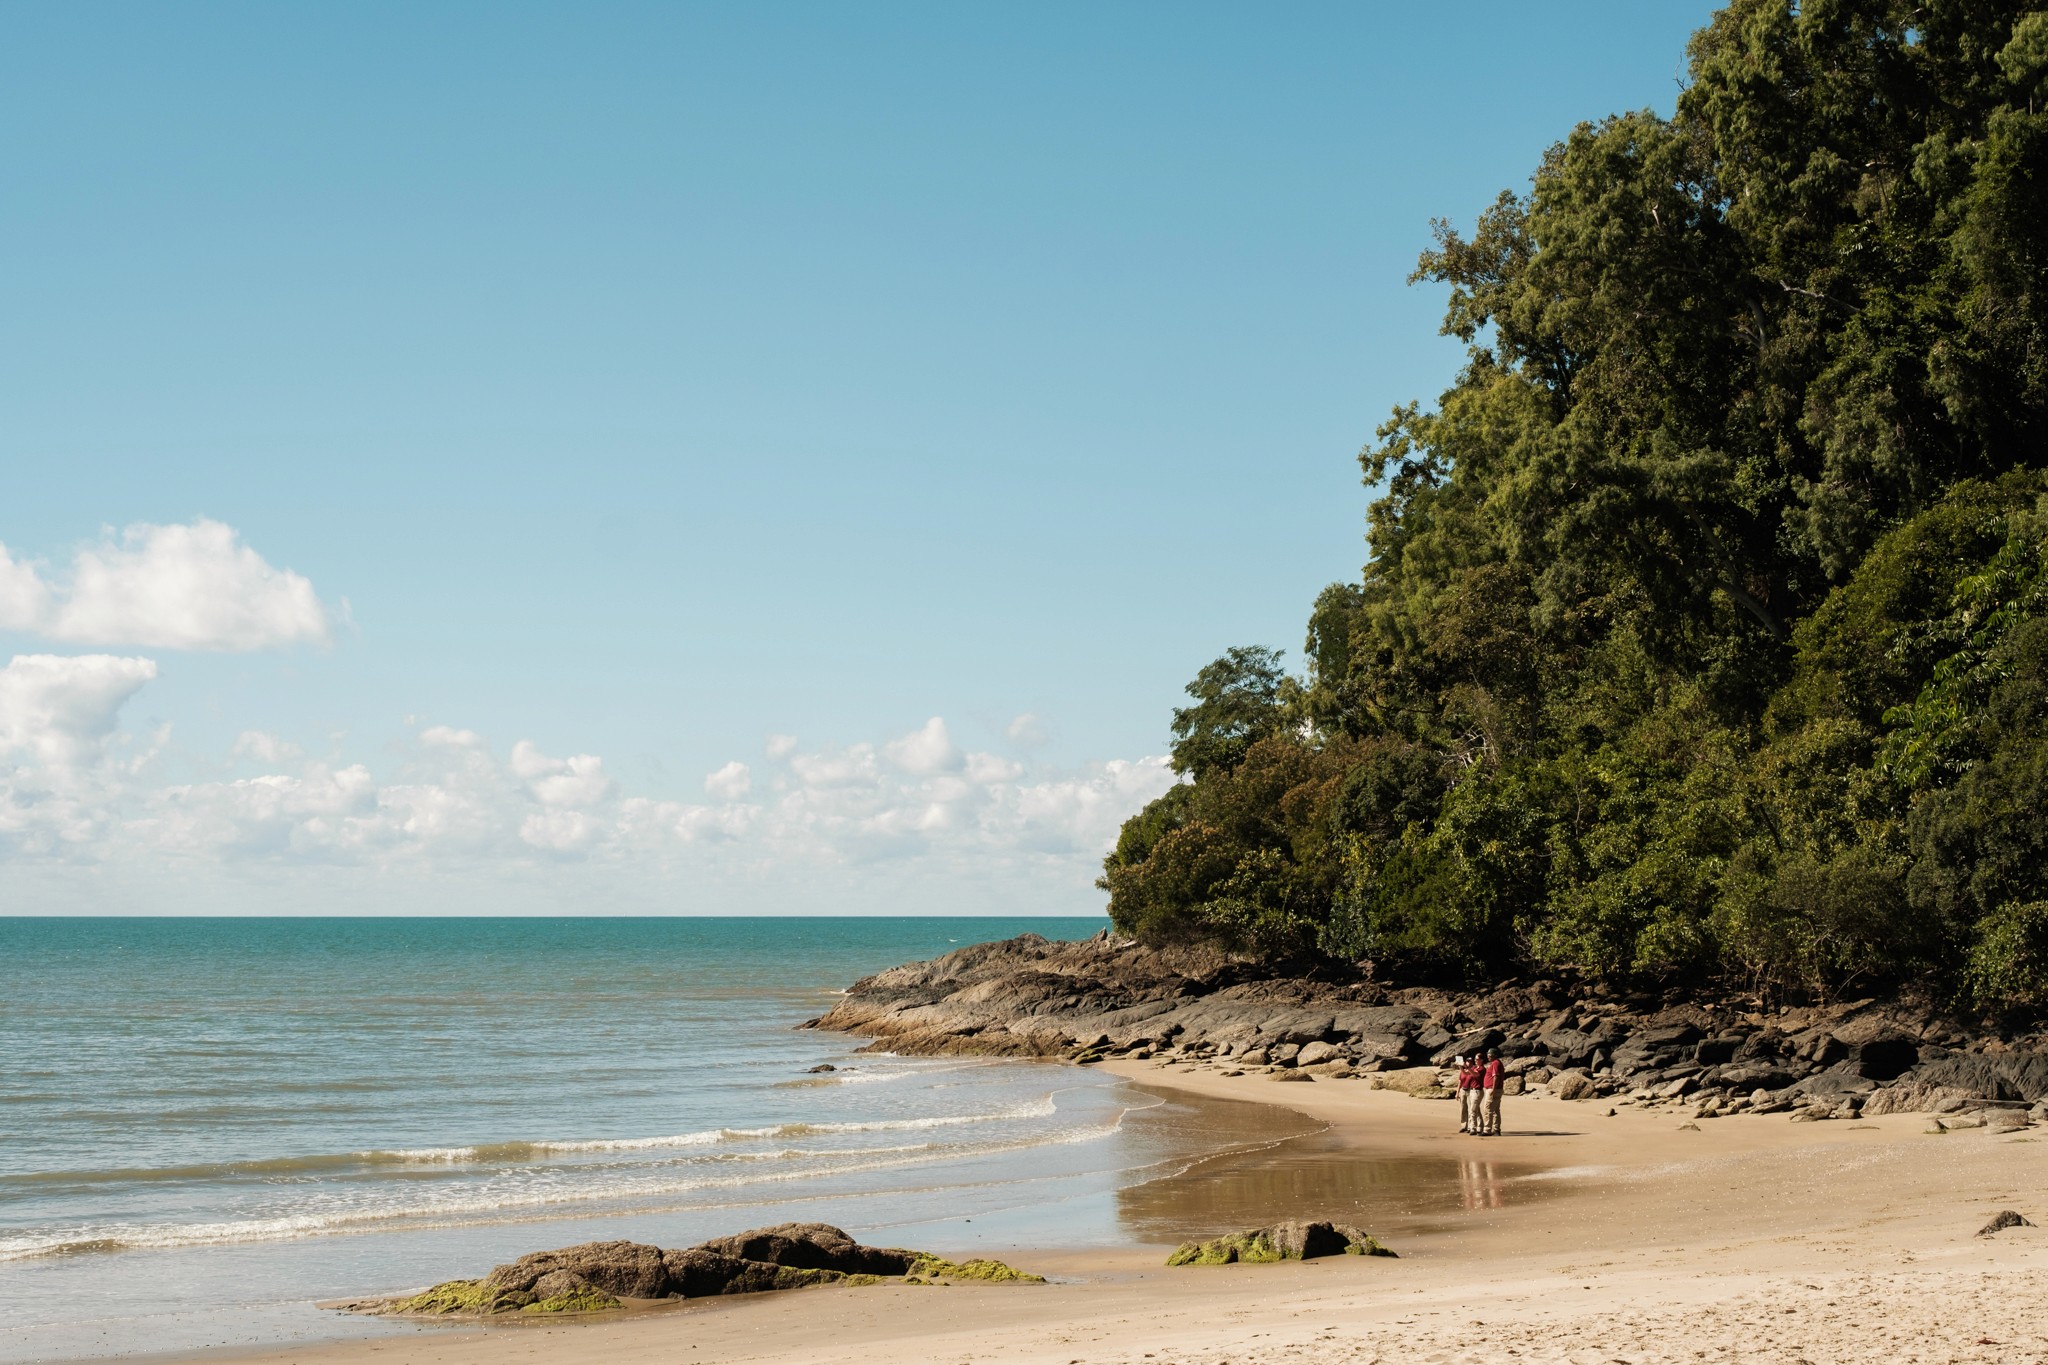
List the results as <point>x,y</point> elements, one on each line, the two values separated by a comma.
<point>645,381</point>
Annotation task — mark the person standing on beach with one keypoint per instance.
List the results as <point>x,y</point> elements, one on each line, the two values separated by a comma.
<point>1491,1080</point>
<point>1469,1115</point>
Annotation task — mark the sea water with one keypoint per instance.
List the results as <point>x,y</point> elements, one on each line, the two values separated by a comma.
<point>209,1125</point>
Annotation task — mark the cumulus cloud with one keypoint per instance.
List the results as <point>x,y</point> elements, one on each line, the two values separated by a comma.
<point>58,712</point>
<point>575,781</point>
<point>730,783</point>
<point>1027,732</point>
<point>559,831</point>
<point>259,746</point>
<point>925,750</point>
<point>60,790</point>
<point>780,746</point>
<point>74,785</point>
<point>189,586</point>
<point>24,597</point>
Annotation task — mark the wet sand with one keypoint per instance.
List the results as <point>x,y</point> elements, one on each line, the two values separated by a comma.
<point>1574,1237</point>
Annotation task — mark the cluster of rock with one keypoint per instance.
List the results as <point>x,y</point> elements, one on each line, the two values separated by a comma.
<point>1108,997</point>
<point>1290,1241</point>
<point>603,1275</point>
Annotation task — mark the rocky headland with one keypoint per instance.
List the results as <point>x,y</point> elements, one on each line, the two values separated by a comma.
<point>1110,997</point>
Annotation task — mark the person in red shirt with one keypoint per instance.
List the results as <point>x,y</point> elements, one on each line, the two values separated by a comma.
<point>1491,1078</point>
<point>1469,1115</point>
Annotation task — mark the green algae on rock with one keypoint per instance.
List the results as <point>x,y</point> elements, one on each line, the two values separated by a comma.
<point>598,1276</point>
<point>1251,1248</point>
<point>581,1300</point>
<point>480,1297</point>
<point>927,1268</point>
<point>1290,1241</point>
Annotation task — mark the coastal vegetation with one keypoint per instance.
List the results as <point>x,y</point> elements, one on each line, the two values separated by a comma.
<point>1703,635</point>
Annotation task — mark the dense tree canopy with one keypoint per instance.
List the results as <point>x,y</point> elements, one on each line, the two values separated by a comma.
<point>1704,630</point>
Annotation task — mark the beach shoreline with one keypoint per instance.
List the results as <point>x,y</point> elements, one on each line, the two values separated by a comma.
<point>1652,1238</point>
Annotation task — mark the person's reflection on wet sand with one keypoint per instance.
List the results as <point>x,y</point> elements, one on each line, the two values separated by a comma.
<point>1479,1186</point>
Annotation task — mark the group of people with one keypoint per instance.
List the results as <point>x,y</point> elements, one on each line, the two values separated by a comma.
<point>1480,1078</point>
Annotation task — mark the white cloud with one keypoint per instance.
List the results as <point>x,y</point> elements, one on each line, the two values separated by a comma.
<point>926,750</point>
<point>559,831</point>
<point>575,781</point>
<point>730,783</point>
<point>58,711</point>
<point>444,736</point>
<point>1026,732</point>
<point>780,747</point>
<point>262,747</point>
<point>60,791</point>
<point>75,787</point>
<point>24,597</point>
<point>848,767</point>
<point>190,586</point>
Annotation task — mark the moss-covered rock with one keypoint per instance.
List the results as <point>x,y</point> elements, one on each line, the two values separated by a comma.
<point>598,1276</point>
<point>459,1296</point>
<point>1290,1241</point>
<point>929,1268</point>
<point>587,1299</point>
<point>1368,1245</point>
<point>1253,1247</point>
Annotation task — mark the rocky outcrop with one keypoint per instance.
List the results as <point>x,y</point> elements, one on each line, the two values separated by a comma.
<point>601,1275</point>
<point>1109,997</point>
<point>1028,997</point>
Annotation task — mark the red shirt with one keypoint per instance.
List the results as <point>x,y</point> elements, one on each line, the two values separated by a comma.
<point>1468,1079</point>
<point>1490,1079</point>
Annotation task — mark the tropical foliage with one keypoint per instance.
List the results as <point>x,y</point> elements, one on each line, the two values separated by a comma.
<point>1704,631</point>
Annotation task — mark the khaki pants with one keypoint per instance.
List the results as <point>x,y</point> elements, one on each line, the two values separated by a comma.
<point>1470,1116</point>
<point>1491,1121</point>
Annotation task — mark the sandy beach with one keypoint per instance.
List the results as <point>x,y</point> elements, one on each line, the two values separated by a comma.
<point>1576,1236</point>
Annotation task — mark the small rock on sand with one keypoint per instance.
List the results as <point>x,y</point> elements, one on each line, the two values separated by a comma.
<point>2006,1219</point>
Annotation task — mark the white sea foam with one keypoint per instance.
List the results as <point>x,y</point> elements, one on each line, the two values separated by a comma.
<point>463,1206</point>
<point>1040,1108</point>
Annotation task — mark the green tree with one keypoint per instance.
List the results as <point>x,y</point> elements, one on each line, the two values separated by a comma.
<point>1702,629</point>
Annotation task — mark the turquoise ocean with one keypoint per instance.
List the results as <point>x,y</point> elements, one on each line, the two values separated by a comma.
<point>209,1125</point>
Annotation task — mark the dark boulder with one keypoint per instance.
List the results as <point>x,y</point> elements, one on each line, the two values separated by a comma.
<point>1569,1047</point>
<point>696,1273</point>
<point>2012,1076</point>
<point>1837,1080</point>
<point>811,1246</point>
<point>1716,1051</point>
<point>631,1270</point>
<point>1748,1076</point>
<point>1608,1032</point>
<point>1886,1057</point>
<point>1766,1046</point>
<point>1651,1049</point>
<point>1432,1038</point>
<point>1468,1043</point>
<point>1818,1046</point>
<point>1665,1036</point>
